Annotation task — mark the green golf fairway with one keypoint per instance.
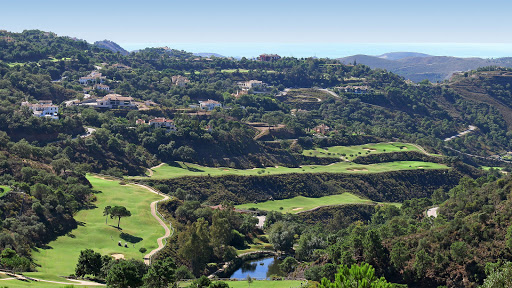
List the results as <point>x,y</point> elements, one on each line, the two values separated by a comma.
<point>181,169</point>
<point>360,150</point>
<point>142,230</point>
<point>300,203</point>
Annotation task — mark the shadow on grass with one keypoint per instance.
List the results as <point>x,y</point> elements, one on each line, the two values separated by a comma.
<point>114,226</point>
<point>130,238</point>
<point>184,166</point>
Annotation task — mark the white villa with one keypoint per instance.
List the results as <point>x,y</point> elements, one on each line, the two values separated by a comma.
<point>93,77</point>
<point>356,89</point>
<point>102,87</point>
<point>162,123</point>
<point>209,104</point>
<point>252,84</point>
<point>44,108</point>
<point>115,101</point>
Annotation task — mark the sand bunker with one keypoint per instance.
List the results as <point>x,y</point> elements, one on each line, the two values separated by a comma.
<point>357,169</point>
<point>296,209</point>
<point>420,167</point>
<point>118,256</point>
<point>369,149</point>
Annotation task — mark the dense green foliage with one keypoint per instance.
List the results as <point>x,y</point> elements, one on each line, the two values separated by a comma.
<point>44,162</point>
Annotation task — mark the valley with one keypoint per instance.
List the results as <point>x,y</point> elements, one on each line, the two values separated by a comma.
<point>160,167</point>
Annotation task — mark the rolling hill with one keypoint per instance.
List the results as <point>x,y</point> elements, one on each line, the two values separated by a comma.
<point>418,67</point>
<point>112,46</point>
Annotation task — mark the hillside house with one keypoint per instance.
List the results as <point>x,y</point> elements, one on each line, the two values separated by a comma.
<point>44,108</point>
<point>121,67</point>
<point>162,123</point>
<point>239,93</point>
<point>116,101</point>
<point>93,77</point>
<point>179,81</point>
<point>269,57</point>
<point>252,84</point>
<point>356,89</point>
<point>209,104</point>
<point>102,87</point>
<point>322,129</point>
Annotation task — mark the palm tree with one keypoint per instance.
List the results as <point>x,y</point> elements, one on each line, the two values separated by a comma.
<point>106,212</point>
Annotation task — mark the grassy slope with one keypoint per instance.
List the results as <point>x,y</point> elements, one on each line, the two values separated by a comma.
<point>234,284</point>
<point>185,169</point>
<point>338,151</point>
<point>61,259</point>
<point>6,189</point>
<point>266,284</point>
<point>23,284</point>
<point>259,284</point>
<point>301,203</point>
<point>258,245</point>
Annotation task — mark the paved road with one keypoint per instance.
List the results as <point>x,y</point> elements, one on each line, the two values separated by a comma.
<point>160,241</point>
<point>74,282</point>
<point>471,128</point>
<point>150,170</point>
<point>330,92</point>
<point>88,132</point>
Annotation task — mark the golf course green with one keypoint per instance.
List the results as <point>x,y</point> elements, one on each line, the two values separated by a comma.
<point>350,152</point>
<point>181,169</point>
<point>139,230</point>
<point>300,203</point>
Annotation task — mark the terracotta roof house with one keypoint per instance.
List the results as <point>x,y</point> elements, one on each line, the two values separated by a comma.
<point>322,129</point>
<point>44,108</point>
<point>93,77</point>
<point>162,123</point>
<point>179,80</point>
<point>116,101</point>
<point>252,84</point>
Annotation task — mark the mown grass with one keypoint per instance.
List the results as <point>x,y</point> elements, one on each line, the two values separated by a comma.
<point>259,284</point>
<point>350,152</point>
<point>23,284</point>
<point>258,245</point>
<point>181,169</point>
<point>301,203</point>
<point>234,70</point>
<point>5,190</point>
<point>486,168</point>
<point>141,230</point>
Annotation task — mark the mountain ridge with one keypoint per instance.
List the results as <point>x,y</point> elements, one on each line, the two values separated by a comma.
<point>112,46</point>
<point>432,68</point>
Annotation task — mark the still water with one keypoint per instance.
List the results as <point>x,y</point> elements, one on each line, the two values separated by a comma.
<point>259,269</point>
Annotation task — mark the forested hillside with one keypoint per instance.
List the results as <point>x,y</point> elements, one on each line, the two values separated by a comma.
<point>265,115</point>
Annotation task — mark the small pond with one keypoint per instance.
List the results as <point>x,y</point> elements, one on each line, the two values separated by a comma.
<point>260,269</point>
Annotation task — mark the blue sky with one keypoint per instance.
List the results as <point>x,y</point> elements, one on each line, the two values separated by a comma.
<point>357,21</point>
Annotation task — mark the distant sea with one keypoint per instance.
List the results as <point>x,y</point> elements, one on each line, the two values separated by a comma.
<point>336,50</point>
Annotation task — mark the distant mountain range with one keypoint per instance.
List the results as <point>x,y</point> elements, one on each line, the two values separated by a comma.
<point>419,66</point>
<point>112,46</point>
<point>208,55</point>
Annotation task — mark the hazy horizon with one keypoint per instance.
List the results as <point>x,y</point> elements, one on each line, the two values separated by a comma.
<point>335,50</point>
